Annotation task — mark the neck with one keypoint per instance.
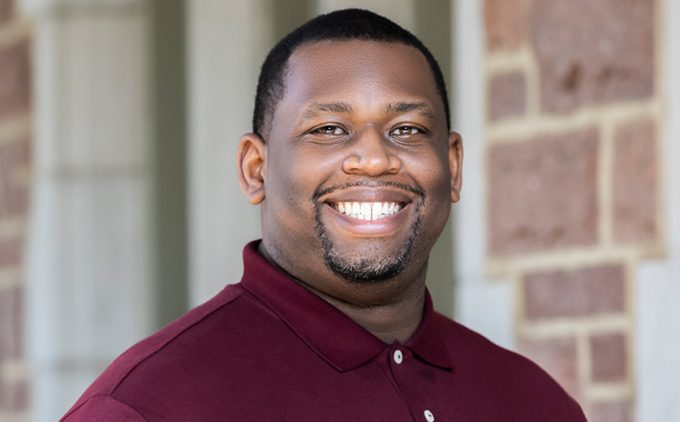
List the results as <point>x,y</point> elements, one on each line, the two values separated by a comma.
<point>390,322</point>
<point>390,310</point>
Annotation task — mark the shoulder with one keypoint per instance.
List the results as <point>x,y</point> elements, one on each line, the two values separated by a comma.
<point>101,407</point>
<point>503,375</point>
<point>101,395</point>
<point>471,349</point>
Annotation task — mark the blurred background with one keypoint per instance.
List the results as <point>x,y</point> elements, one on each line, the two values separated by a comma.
<point>120,209</point>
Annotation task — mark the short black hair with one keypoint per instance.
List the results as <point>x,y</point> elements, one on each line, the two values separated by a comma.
<point>340,25</point>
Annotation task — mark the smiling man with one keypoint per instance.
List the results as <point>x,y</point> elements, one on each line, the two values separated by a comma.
<point>354,166</point>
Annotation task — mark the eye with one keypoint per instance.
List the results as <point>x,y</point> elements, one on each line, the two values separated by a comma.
<point>406,131</point>
<point>329,130</point>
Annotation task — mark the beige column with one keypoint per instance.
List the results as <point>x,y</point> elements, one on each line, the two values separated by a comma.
<point>227,43</point>
<point>88,269</point>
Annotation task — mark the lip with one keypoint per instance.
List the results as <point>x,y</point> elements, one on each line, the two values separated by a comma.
<point>368,194</point>
<point>383,227</point>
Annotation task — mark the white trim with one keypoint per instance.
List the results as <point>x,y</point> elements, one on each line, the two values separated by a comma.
<point>482,304</point>
<point>658,283</point>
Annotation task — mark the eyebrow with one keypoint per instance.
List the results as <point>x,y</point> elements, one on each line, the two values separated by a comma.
<point>339,107</point>
<point>317,108</point>
<point>401,107</point>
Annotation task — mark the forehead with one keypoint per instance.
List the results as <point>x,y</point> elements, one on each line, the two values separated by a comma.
<point>358,69</point>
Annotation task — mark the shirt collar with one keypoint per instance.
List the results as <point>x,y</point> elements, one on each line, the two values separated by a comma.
<point>330,333</point>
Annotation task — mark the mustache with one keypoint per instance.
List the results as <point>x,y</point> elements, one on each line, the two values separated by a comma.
<point>416,190</point>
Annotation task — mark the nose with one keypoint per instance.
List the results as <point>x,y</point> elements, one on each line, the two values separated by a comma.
<point>370,155</point>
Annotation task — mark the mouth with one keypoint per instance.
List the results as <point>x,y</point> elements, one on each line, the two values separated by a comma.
<point>367,218</point>
<point>363,210</point>
<point>368,211</point>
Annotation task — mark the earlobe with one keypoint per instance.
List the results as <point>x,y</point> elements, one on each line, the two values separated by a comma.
<point>250,162</point>
<point>456,165</point>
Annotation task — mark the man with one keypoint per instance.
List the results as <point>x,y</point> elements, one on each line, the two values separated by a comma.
<point>354,167</point>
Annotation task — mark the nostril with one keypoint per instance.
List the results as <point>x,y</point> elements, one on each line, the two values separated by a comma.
<point>351,164</point>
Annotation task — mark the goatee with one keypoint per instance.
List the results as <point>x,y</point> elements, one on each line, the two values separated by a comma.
<point>376,268</point>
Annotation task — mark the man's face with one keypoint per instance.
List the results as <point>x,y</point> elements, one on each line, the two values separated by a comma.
<point>357,168</point>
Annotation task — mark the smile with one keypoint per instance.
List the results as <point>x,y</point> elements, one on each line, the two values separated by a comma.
<point>368,210</point>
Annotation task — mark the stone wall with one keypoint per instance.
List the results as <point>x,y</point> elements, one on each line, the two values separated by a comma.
<point>574,182</point>
<point>15,165</point>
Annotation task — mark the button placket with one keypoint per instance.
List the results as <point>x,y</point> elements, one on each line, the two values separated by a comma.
<point>407,376</point>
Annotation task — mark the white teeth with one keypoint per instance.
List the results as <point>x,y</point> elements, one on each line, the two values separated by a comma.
<point>356,210</point>
<point>365,211</point>
<point>376,210</point>
<point>368,210</point>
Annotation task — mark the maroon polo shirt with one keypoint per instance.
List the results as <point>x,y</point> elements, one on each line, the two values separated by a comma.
<point>267,349</point>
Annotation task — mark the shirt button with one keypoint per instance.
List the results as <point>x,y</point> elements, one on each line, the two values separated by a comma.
<point>429,417</point>
<point>398,357</point>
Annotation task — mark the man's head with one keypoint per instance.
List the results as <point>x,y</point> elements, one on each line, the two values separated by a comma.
<point>341,25</point>
<point>358,169</point>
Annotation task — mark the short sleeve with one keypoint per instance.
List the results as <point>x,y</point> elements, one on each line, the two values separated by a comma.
<point>103,408</point>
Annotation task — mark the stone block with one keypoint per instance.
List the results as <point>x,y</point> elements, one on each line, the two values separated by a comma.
<point>558,357</point>
<point>593,52</point>
<point>13,396</point>
<point>14,163</point>
<point>505,23</point>
<point>10,252</point>
<point>543,193</point>
<point>507,96</point>
<point>11,327</point>
<point>614,411</point>
<point>608,357</point>
<point>15,79</point>
<point>6,10</point>
<point>575,293</point>
<point>635,179</point>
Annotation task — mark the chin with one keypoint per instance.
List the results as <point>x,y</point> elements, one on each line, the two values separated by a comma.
<point>368,260</point>
<point>367,269</point>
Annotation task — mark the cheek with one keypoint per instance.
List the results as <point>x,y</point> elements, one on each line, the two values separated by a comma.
<point>283,188</point>
<point>294,177</point>
<point>433,176</point>
<point>432,172</point>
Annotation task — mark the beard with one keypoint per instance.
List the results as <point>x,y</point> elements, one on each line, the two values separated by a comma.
<point>368,270</point>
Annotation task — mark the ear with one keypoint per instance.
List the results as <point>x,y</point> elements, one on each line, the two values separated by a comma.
<point>250,161</point>
<point>456,165</point>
